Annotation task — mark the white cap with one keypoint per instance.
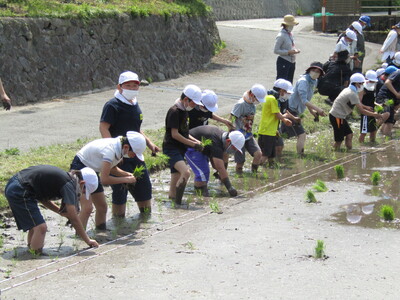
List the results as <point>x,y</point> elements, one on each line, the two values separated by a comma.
<point>357,26</point>
<point>193,92</point>
<point>237,139</point>
<point>137,142</point>
<point>357,78</point>
<point>396,58</point>
<point>209,99</point>
<point>380,71</point>
<point>91,181</point>
<point>259,91</point>
<point>371,76</point>
<point>384,65</point>
<point>128,76</point>
<point>351,34</point>
<point>284,85</point>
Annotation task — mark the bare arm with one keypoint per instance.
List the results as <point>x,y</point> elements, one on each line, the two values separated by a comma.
<point>50,205</point>
<point>367,112</point>
<point>153,148</point>
<point>180,138</point>
<point>219,165</point>
<point>391,88</point>
<point>105,177</point>
<point>223,121</point>
<point>104,128</point>
<point>314,109</point>
<point>77,224</point>
<point>281,117</point>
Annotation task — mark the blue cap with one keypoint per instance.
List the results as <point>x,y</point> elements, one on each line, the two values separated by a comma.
<point>365,19</point>
<point>389,70</point>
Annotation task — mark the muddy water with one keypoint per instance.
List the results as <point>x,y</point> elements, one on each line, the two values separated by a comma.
<point>61,243</point>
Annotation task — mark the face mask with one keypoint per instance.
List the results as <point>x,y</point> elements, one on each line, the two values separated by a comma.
<point>284,98</point>
<point>364,26</point>
<point>289,28</point>
<point>314,75</point>
<point>360,88</point>
<point>188,108</point>
<point>370,86</point>
<point>130,94</point>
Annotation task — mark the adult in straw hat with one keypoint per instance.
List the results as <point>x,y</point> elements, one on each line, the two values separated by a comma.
<point>286,49</point>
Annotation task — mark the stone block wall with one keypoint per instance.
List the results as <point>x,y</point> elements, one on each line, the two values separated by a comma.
<point>255,9</point>
<point>47,58</point>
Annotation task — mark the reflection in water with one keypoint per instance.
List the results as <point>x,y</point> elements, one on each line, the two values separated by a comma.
<point>353,213</point>
<point>367,209</point>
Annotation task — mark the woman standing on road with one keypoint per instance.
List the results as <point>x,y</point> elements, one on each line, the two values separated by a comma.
<point>286,50</point>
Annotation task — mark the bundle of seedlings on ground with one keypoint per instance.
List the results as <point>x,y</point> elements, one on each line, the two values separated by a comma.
<point>206,142</point>
<point>387,212</point>
<point>320,186</point>
<point>310,197</point>
<point>215,207</point>
<point>339,169</point>
<point>375,178</point>
<point>320,249</point>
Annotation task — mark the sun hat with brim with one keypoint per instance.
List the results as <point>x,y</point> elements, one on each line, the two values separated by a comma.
<point>380,71</point>
<point>289,20</point>
<point>128,76</point>
<point>351,34</point>
<point>316,65</point>
<point>193,92</point>
<point>209,100</point>
<point>137,142</point>
<point>357,78</point>
<point>366,20</point>
<point>371,76</point>
<point>284,85</point>
<point>91,181</point>
<point>237,139</point>
<point>259,91</point>
<point>357,26</point>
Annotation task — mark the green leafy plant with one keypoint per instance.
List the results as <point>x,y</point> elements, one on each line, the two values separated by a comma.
<point>320,249</point>
<point>339,169</point>
<point>215,206</point>
<point>139,171</point>
<point>320,186</point>
<point>190,246</point>
<point>378,109</point>
<point>375,178</point>
<point>12,151</point>
<point>389,102</point>
<point>387,212</point>
<point>310,197</point>
<point>206,142</point>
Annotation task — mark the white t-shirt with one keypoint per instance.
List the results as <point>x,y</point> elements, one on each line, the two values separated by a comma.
<point>93,154</point>
<point>344,103</point>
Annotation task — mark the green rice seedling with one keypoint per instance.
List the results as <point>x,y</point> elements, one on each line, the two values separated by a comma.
<point>320,249</point>
<point>387,212</point>
<point>320,186</point>
<point>339,169</point>
<point>190,245</point>
<point>375,178</point>
<point>15,252</point>
<point>205,142</point>
<point>215,206</point>
<point>7,273</point>
<point>389,102</point>
<point>378,109</point>
<point>138,172</point>
<point>1,241</point>
<point>61,240</point>
<point>310,197</point>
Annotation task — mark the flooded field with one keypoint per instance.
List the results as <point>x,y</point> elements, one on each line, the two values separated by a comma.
<point>64,250</point>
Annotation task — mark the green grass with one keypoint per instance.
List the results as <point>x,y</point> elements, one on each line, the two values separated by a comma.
<point>387,212</point>
<point>91,9</point>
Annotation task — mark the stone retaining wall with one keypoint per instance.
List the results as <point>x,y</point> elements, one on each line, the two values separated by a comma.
<point>48,58</point>
<point>255,9</point>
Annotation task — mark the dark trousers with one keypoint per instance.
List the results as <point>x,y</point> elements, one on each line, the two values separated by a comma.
<point>285,69</point>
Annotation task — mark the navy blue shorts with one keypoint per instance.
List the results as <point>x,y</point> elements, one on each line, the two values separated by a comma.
<point>78,165</point>
<point>174,155</point>
<point>267,144</point>
<point>23,204</point>
<point>198,162</point>
<point>143,188</point>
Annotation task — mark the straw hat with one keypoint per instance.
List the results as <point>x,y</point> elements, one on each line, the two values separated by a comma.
<point>289,20</point>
